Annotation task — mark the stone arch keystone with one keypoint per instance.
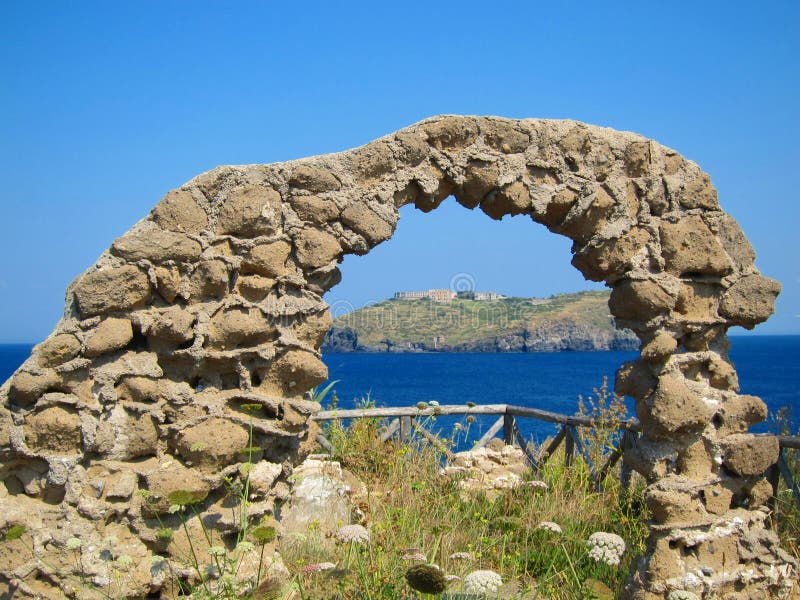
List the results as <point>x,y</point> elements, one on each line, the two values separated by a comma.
<point>213,302</point>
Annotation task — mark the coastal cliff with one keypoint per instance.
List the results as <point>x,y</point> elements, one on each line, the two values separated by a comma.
<point>566,322</point>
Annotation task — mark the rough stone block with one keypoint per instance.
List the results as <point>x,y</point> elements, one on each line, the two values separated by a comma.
<point>157,246</point>
<point>268,260</point>
<point>750,301</point>
<point>639,300</point>
<point>698,302</point>
<point>239,326</point>
<point>749,455</point>
<point>171,477</point>
<point>634,379</point>
<point>139,389</point>
<point>316,249</point>
<point>688,247</point>
<point>54,430</point>
<point>513,199</point>
<point>367,223</point>
<point>735,243</point>
<point>167,328</point>
<point>58,349</point>
<point>110,335</point>
<point>263,475</point>
<point>125,435</point>
<point>503,136</point>
<point>213,444</point>
<point>251,212</point>
<point>314,179</point>
<point>450,134</point>
<point>299,371</point>
<point>372,161</point>
<point>178,211</point>
<point>111,289</point>
<point>557,209</point>
<point>314,209</point>
<point>254,287</point>
<point>673,506</point>
<point>611,259</point>
<point>738,413</point>
<point>717,499</point>
<point>583,223</point>
<point>674,408</point>
<point>313,328</point>
<point>480,178</point>
<point>27,387</point>
<point>637,158</point>
<point>168,282</point>
<point>411,148</point>
<point>659,348</point>
<point>210,279</point>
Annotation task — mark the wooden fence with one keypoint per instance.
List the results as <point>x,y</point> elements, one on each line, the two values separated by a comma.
<point>402,421</point>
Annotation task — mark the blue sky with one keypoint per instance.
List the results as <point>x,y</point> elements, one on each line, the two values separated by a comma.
<point>104,106</point>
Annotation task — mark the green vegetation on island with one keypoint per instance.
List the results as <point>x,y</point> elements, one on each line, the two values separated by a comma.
<point>576,321</point>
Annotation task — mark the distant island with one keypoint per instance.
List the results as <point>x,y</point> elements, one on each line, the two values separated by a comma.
<point>445,321</point>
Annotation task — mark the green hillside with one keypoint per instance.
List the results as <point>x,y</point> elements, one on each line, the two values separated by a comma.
<point>562,322</point>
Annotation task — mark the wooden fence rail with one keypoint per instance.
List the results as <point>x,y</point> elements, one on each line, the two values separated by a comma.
<point>405,420</point>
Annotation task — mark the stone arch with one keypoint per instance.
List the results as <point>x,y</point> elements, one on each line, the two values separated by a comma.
<point>214,301</point>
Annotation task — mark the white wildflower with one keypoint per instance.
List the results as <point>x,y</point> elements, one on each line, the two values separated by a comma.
<point>748,576</point>
<point>414,556</point>
<point>682,595</point>
<point>451,578</point>
<point>606,547</point>
<point>461,556</point>
<point>433,403</point>
<point>245,547</point>
<point>482,583</point>
<point>124,561</point>
<point>73,543</point>
<point>317,567</point>
<point>216,551</point>
<point>550,526</point>
<point>352,534</point>
<point>536,485</point>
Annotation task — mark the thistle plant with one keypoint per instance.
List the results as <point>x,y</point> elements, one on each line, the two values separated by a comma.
<point>428,579</point>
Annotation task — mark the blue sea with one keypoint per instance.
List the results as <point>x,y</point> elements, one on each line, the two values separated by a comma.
<point>767,368</point>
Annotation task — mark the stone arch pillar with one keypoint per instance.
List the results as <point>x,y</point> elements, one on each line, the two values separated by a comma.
<point>214,301</point>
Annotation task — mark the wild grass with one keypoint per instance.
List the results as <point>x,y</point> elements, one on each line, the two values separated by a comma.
<point>416,516</point>
<point>786,512</point>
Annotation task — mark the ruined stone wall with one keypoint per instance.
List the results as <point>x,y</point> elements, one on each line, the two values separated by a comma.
<point>213,303</point>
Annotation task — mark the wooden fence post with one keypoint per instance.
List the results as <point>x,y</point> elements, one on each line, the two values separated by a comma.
<point>569,447</point>
<point>508,429</point>
<point>625,471</point>
<point>405,429</point>
<point>786,473</point>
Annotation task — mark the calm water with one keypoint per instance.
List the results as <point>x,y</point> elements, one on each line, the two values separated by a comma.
<point>767,367</point>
